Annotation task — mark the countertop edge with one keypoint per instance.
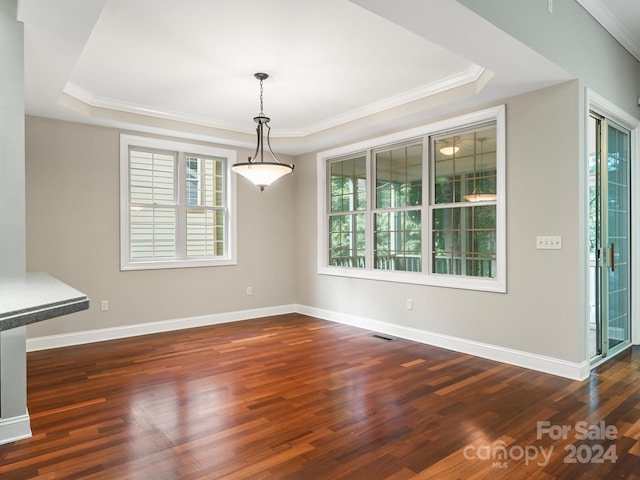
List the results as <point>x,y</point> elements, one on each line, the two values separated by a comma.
<point>44,312</point>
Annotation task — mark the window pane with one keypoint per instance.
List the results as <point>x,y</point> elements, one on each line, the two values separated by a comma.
<point>194,176</point>
<point>204,191</point>
<point>204,181</point>
<point>347,240</point>
<point>398,241</point>
<point>214,168</point>
<point>464,241</point>
<point>399,177</point>
<point>349,184</point>
<point>465,166</point>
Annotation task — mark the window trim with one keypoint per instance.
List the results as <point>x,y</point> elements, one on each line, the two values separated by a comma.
<point>497,284</point>
<point>182,148</point>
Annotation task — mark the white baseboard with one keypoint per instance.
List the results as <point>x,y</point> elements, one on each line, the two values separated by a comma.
<point>14,428</point>
<point>541,363</point>
<point>100,335</point>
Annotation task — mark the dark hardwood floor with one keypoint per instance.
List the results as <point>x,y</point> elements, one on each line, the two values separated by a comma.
<point>293,397</point>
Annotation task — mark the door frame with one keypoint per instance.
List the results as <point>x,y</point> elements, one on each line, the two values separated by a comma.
<point>602,106</point>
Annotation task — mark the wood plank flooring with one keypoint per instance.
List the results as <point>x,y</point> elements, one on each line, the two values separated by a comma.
<point>293,397</point>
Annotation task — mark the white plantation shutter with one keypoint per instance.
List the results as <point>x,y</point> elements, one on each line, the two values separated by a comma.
<point>153,233</point>
<point>176,207</point>
<point>153,208</point>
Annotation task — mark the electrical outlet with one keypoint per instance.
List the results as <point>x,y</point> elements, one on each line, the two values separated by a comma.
<point>249,291</point>
<point>104,305</point>
<point>550,6</point>
<point>549,242</point>
<point>409,304</point>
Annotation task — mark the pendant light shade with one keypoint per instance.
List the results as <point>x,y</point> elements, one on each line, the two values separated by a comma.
<point>259,172</point>
<point>449,150</point>
<point>262,174</point>
<point>451,146</point>
<point>480,197</point>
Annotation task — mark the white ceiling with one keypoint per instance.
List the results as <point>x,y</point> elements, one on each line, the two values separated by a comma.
<point>187,67</point>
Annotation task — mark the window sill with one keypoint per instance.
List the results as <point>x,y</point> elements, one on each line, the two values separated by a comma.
<point>434,280</point>
<point>161,265</point>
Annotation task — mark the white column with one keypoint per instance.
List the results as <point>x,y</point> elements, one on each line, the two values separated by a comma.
<point>14,420</point>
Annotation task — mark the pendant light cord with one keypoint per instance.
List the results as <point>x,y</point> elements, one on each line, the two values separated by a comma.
<point>261,92</point>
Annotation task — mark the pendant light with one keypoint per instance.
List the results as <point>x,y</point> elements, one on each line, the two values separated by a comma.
<point>262,173</point>
<point>475,196</point>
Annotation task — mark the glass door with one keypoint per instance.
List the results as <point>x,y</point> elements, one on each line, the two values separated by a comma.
<point>610,220</point>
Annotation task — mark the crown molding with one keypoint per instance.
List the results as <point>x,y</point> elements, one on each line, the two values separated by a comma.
<point>472,74</point>
<point>90,99</point>
<point>605,18</point>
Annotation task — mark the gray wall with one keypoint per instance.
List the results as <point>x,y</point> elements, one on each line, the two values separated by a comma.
<point>12,176</point>
<point>541,311</point>
<point>73,234</point>
<point>573,39</point>
<point>13,387</point>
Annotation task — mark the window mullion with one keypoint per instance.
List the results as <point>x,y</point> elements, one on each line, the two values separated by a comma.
<point>427,229</point>
<point>369,225</point>
<point>181,206</point>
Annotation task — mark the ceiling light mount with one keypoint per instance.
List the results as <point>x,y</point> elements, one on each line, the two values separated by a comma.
<point>261,76</point>
<point>262,173</point>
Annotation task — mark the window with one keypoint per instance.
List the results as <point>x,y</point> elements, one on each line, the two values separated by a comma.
<point>397,213</point>
<point>423,206</point>
<point>464,203</point>
<point>177,204</point>
<point>346,220</point>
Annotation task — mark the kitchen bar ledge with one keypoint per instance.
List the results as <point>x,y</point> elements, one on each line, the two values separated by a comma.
<point>25,299</point>
<point>34,297</point>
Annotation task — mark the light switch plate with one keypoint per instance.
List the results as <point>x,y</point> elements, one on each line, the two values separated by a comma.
<point>549,242</point>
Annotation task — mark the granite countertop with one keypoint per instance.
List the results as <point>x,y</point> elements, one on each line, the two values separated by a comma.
<point>34,297</point>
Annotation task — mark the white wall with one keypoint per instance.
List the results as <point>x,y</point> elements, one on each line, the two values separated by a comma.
<point>73,234</point>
